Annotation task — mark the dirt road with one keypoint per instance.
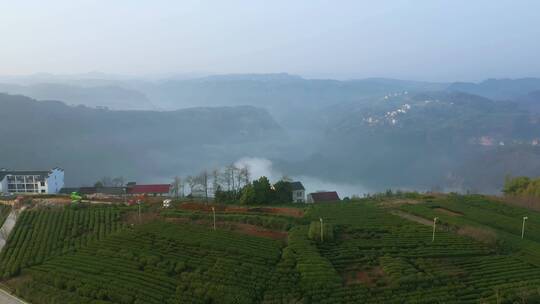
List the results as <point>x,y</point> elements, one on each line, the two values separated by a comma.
<point>6,228</point>
<point>6,298</point>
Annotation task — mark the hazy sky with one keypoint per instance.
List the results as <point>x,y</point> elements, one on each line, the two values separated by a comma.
<point>417,39</point>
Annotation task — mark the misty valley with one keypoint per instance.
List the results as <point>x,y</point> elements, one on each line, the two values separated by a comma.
<point>373,134</point>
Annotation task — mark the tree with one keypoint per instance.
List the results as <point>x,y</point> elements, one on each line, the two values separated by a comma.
<point>517,185</point>
<point>216,180</point>
<point>118,181</point>
<point>98,184</point>
<point>105,181</point>
<point>229,176</point>
<point>248,195</point>
<point>203,181</point>
<point>192,182</point>
<point>263,190</point>
<point>286,178</point>
<point>283,192</point>
<point>177,187</point>
<point>244,176</point>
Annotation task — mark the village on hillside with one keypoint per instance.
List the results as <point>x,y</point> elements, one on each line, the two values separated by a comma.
<point>229,186</point>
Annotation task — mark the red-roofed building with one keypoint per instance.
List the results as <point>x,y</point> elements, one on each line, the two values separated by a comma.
<point>154,190</point>
<point>320,197</point>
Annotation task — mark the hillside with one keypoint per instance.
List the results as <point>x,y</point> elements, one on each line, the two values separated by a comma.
<point>530,101</point>
<point>381,249</point>
<point>429,140</point>
<point>132,143</point>
<point>498,89</point>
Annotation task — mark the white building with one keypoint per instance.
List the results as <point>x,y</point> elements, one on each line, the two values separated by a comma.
<point>298,192</point>
<point>44,182</point>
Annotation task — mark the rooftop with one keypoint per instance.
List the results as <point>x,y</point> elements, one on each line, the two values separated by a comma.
<point>297,186</point>
<point>141,189</point>
<point>330,196</point>
<point>44,173</point>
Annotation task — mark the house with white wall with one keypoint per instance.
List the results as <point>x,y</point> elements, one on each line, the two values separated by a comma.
<point>37,182</point>
<point>298,192</point>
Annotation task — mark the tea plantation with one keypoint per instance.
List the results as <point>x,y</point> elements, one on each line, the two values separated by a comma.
<point>368,255</point>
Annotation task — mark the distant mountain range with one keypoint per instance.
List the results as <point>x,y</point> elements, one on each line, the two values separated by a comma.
<point>376,132</point>
<point>106,96</point>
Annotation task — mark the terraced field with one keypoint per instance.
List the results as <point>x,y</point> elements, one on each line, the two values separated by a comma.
<point>44,233</point>
<point>369,255</point>
<point>505,221</point>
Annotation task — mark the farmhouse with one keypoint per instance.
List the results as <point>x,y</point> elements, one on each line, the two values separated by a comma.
<point>298,192</point>
<point>151,190</point>
<point>320,197</point>
<point>44,182</point>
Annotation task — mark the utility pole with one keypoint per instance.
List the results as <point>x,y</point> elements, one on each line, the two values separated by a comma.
<point>139,203</point>
<point>434,227</point>
<point>322,231</point>
<point>214,212</point>
<point>523,227</point>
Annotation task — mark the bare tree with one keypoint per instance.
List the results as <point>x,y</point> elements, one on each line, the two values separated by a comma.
<point>203,181</point>
<point>286,178</point>
<point>118,181</point>
<point>176,186</point>
<point>226,176</point>
<point>231,170</point>
<point>215,180</point>
<point>242,177</point>
<point>105,181</point>
<point>192,182</point>
<point>246,174</point>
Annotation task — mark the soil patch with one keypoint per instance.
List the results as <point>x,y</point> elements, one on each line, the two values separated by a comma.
<point>236,227</point>
<point>293,212</point>
<point>412,217</point>
<point>257,231</point>
<point>485,236</point>
<point>52,201</point>
<point>365,277</point>
<point>448,211</point>
<point>133,218</point>
<point>399,202</point>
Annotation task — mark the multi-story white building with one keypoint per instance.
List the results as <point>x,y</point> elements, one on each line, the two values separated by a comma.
<point>45,182</point>
<point>298,192</point>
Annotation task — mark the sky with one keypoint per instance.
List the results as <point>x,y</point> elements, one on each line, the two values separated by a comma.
<point>452,40</point>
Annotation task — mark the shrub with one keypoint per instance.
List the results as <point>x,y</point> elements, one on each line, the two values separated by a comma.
<point>314,232</point>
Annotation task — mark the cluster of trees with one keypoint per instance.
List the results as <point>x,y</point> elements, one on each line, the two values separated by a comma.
<point>522,186</point>
<point>230,179</point>
<point>260,191</point>
<point>108,181</point>
<point>233,184</point>
<point>230,184</point>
